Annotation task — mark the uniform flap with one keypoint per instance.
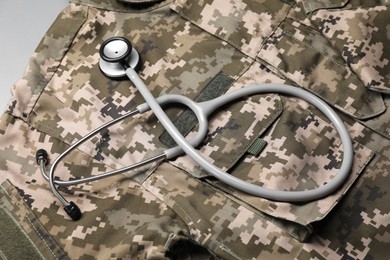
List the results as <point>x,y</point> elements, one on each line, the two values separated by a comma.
<point>233,131</point>
<point>125,6</point>
<point>140,2</point>
<point>313,5</point>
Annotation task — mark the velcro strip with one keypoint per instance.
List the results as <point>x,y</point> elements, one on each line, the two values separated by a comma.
<point>187,120</point>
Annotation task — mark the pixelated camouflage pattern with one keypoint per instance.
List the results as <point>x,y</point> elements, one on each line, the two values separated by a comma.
<point>335,49</point>
<point>361,48</point>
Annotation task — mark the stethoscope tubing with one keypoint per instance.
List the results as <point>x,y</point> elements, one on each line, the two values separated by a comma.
<point>283,196</point>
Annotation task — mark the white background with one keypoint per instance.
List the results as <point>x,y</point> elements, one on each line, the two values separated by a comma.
<point>22,25</point>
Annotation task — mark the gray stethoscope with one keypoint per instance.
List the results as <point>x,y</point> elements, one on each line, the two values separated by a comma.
<point>119,59</point>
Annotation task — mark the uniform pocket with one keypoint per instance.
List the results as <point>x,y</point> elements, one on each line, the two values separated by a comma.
<point>22,236</point>
<point>302,152</point>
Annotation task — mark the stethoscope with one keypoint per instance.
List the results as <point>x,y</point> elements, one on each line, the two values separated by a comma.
<point>119,59</point>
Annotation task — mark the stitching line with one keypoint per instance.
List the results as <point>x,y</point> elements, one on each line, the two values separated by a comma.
<point>39,234</point>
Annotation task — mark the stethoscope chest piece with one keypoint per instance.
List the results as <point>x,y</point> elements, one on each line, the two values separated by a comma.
<point>117,54</point>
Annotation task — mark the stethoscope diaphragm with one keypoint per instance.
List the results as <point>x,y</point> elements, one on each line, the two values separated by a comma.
<point>117,54</point>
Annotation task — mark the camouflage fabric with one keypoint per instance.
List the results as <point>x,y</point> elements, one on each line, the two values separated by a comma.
<point>174,209</point>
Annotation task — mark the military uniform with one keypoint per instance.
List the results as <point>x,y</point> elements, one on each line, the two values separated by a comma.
<point>336,49</point>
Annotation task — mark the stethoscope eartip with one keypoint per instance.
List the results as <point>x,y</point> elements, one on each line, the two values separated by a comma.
<point>70,208</point>
<point>73,211</point>
<point>41,155</point>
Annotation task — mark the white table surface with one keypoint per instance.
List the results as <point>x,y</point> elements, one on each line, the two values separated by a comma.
<point>22,25</point>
